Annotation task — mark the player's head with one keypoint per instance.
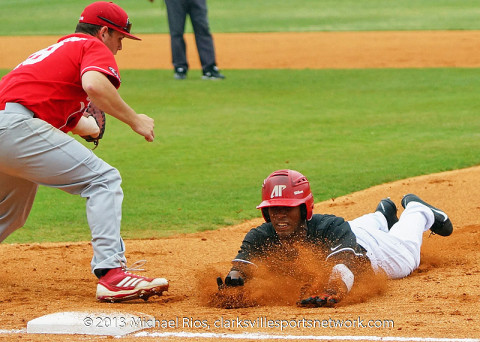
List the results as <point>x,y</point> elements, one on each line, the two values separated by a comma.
<point>106,13</point>
<point>286,188</point>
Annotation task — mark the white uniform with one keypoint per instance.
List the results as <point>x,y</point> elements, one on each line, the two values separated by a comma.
<point>396,252</point>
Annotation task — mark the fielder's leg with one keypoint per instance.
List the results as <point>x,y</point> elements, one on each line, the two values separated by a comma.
<point>16,194</point>
<point>16,199</point>
<point>34,150</point>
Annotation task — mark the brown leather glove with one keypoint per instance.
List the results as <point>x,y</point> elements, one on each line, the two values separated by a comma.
<point>323,300</point>
<point>328,298</point>
<point>100,119</point>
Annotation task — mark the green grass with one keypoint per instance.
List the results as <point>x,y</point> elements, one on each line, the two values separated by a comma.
<point>57,17</point>
<point>346,130</point>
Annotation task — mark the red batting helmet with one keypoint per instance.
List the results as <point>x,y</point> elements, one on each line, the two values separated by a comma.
<point>286,188</point>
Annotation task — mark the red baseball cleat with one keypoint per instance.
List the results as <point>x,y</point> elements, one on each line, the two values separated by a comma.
<point>119,285</point>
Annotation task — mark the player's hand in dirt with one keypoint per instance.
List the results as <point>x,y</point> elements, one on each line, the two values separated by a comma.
<point>234,278</point>
<point>329,298</point>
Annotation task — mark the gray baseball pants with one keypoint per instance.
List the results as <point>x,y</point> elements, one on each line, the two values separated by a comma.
<point>32,153</point>
<point>177,11</point>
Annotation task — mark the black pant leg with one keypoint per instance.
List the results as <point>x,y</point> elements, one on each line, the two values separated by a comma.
<point>201,28</point>
<point>177,13</point>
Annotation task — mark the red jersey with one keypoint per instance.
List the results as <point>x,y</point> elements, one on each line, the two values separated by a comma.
<point>49,81</point>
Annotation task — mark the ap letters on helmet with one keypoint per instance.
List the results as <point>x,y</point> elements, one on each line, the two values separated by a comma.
<point>277,191</point>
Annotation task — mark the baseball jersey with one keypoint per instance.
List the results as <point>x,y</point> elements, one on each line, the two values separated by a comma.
<point>49,81</point>
<point>330,234</point>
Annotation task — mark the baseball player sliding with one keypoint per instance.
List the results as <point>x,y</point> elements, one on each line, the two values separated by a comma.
<point>378,240</point>
<point>41,100</point>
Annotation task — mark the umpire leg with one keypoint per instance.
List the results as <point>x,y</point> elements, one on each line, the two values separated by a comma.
<point>203,37</point>
<point>177,13</point>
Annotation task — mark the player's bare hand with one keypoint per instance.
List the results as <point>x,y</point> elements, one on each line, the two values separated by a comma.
<point>144,126</point>
<point>95,130</point>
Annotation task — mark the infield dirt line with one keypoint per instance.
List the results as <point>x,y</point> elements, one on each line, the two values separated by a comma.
<point>315,50</point>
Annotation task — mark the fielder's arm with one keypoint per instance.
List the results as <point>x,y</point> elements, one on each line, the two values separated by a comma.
<point>106,97</point>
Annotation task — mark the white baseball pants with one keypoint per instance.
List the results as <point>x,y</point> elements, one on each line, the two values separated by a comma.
<point>396,252</point>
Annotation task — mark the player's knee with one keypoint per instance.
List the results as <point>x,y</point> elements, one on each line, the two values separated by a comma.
<point>113,178</point>
<point>109,180</point>
<point>176,35</point>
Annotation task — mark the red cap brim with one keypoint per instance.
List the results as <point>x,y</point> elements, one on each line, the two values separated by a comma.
<point>129,35</point>
<point>281,202</point>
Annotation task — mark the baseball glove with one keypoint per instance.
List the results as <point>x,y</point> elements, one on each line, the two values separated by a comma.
<point>229,282</point>
<point>329,298</point>
<point>100,119</point>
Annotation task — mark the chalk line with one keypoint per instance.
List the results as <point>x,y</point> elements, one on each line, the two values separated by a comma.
<point>259,336</point>
<point>13,331</point>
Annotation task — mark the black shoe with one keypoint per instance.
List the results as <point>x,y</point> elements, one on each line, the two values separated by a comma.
<point>212,73</point>
<point>442,225</point>
<point>180,73</point>
<point>389,210</point>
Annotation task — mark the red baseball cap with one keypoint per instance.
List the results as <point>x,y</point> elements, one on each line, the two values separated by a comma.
<point>108,14</point>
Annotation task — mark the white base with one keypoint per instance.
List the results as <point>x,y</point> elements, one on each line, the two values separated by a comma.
<point>90,323</point>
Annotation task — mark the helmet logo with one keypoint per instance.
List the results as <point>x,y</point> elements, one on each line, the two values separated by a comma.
<point>277,191</point>
<point>298,192</point>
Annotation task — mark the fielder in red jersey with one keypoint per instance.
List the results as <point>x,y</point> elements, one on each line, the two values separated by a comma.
<point>49,82</point>
<point>41,100</point>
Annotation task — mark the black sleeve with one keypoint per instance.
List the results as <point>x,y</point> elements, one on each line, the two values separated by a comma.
<point>255,245</point>
<point>256,242</point>
<point>335,237</point>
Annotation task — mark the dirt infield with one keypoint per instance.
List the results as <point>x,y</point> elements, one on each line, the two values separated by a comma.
<point>290,50</point>
<point>439,300</point>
